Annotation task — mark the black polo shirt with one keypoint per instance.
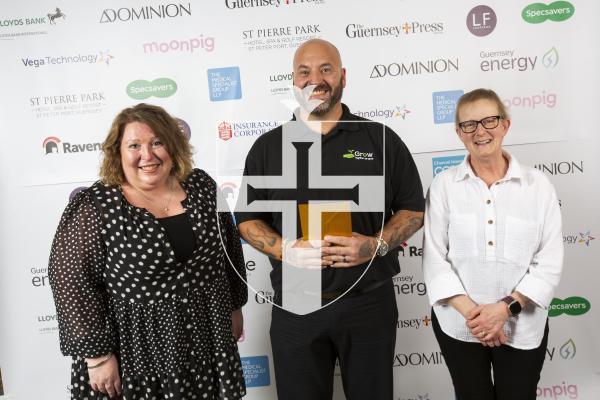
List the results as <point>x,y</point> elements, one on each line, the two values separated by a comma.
<point>363,139</point>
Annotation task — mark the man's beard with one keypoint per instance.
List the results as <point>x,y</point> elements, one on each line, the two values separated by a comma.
<point>336,96</point>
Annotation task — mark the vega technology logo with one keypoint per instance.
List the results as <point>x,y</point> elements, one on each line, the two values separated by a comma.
<point>391,112</point>
<point>143,89</point>
<point>579,238</point>
<point>51,146</point>
<point>103,57</point>
<point>558,11</point>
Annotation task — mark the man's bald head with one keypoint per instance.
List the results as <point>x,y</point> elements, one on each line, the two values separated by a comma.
<point>317,46</point>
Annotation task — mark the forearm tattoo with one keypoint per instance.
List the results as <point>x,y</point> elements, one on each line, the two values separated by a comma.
<point>367,248</point>
<point>404,224</point>
<point>261,236</point>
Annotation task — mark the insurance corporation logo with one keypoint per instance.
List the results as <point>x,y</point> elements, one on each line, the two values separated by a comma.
<point>567,167</point>
<point>241,4</point>
<point>420,67</point>
<point>559,391</point>
<point>573,306</point>
<point>146,13</point>
<point>67,104</point>
<point>246,129</point>
<point>401,111</point>
<point>142,89</point>
<point>54,145</point>
<point>199,43</point>
<point>481,20</point>
<point>279,37</point>
<point>100,57</point>
<point>558,11</point>
<point>360,31</point>
<point>256,371</point>
<point>509,60</point>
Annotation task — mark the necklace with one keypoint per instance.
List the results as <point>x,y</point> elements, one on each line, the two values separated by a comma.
<point>165,208</point>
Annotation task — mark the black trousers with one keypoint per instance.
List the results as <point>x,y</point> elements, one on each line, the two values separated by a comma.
<point>516,372</point>
<point>359,331</point>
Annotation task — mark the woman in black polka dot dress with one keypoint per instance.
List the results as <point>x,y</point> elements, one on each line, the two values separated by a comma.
<point>148,303</point>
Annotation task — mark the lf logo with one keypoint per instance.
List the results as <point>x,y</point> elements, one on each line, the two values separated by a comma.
<point>301,287</point>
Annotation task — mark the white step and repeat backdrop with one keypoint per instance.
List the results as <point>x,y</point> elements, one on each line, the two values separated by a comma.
<point>224,68</point>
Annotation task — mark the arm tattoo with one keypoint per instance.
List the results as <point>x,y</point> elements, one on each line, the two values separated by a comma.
<point>366,249</point>
<point>261,236</point>
<point>403,225</point>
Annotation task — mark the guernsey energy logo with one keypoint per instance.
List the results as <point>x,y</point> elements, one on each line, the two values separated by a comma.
<point>573,306</point>
<point>142,89</point>
<point>558,11</point>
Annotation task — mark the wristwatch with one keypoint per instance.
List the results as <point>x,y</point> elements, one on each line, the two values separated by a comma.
<point>382,247</point>
<point>513,305</point>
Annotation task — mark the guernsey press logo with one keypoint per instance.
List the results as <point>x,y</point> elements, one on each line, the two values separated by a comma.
<point>143,89</point>
<point>103,57</point>
<point>145,13</point>
<point>396,69</point>
<point>53,145</point>
<point>401,111</point>
<point>227,131</point>
<point>557,11</point>
<point>415,323</point>
<point>359,31</point>
<point>573,306</point>
<point>358,155</point>
<point>239,4</point>
<point>481,21</point>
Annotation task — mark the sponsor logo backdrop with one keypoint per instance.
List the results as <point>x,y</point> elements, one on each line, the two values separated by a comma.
<point>224,69</point>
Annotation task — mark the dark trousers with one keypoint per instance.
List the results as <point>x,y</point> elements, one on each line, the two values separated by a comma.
<point>515,372</point>
<point>359,331</point>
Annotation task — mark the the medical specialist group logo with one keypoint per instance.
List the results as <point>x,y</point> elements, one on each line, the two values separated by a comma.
<point>407,284</point>
<point>566,351</point>
<point>12,27</point>
<point>279,37</point>
<point>532,101</point>
<point>573,306</point>
<point>444,105</point>
<point>224,83</point>
<point>191,45</point>
<point>414,323</point>
<point>100,57</point>
<point>561,167</point>
<point>146,13</point>
<point>397,111</point>
<point>481,20</point>
<point>581,238</point>
<point>241,4</point>
<point>227,130</point>
<point>256,371</point>
<point>142,89</point>
<point>360,31</point>
<point>67,104</point>
<point>408,68</point>
<point>558,11</point>
<point>53,145</point>
<point>352,154</point>
<point>418,359</point>
<point>439,164</point>
<point>507,60</point>
<point>558,391</point>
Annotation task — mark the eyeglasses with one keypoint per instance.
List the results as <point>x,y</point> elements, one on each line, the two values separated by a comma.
<point>487,123</point>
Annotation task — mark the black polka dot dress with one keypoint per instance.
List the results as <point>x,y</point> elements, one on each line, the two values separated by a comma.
<point>119,288</point>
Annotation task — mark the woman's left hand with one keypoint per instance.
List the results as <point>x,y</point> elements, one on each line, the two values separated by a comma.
<point>237,323</point>
<point>486,321</point>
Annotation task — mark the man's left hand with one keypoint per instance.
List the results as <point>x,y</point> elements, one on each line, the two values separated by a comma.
<point>347,252</point>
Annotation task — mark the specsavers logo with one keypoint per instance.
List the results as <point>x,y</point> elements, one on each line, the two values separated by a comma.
<point>160,87</point>
<point>557,11</point>
<point>573,306</point>
<point>358,155</point>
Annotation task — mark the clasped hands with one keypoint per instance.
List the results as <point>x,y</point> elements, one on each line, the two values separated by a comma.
<point>486,321</point>
<point>334,251</point>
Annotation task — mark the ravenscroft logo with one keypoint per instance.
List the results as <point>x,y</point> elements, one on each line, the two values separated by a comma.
<point>160,11</point>
<point>358,155</point>
<point>91,58</point>
<point>414,68</point>
<point>573,306</point>
<point>532,101</point>
<point>418,359</point>
<point>415,323</point>
<point>61,105</point>
<point>229,190</point>
<point>444,105</point>
<point>557,392</point>
<point>354,31</point>
<point>279,37</point>
<point>50,146</point>
<point>184,128</point>
<point>410,251</point>
<point>481,21</point>
<point>256,371</point>
<point>440,164</point>
<point>579,238</point>
<point>239,4</point>
<point>557,11</point>
<point>187,45</point>
<point>228,130</point>
<point>160,87</point>
<point>503,60</point>
<point>403,284</point>
<point>561,167</point>
<point>391,112</point>
<point>224,84</point>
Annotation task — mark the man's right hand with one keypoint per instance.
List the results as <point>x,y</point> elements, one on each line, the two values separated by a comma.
<point>106,377</point>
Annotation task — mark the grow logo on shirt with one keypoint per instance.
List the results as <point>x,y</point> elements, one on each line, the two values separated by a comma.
<point>358,155</point>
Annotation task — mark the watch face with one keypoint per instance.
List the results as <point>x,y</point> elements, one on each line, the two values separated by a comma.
<point>515,307</point>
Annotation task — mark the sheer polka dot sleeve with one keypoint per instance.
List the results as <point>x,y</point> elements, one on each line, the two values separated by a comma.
<point>237,276</point>
<point>75,270</point>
